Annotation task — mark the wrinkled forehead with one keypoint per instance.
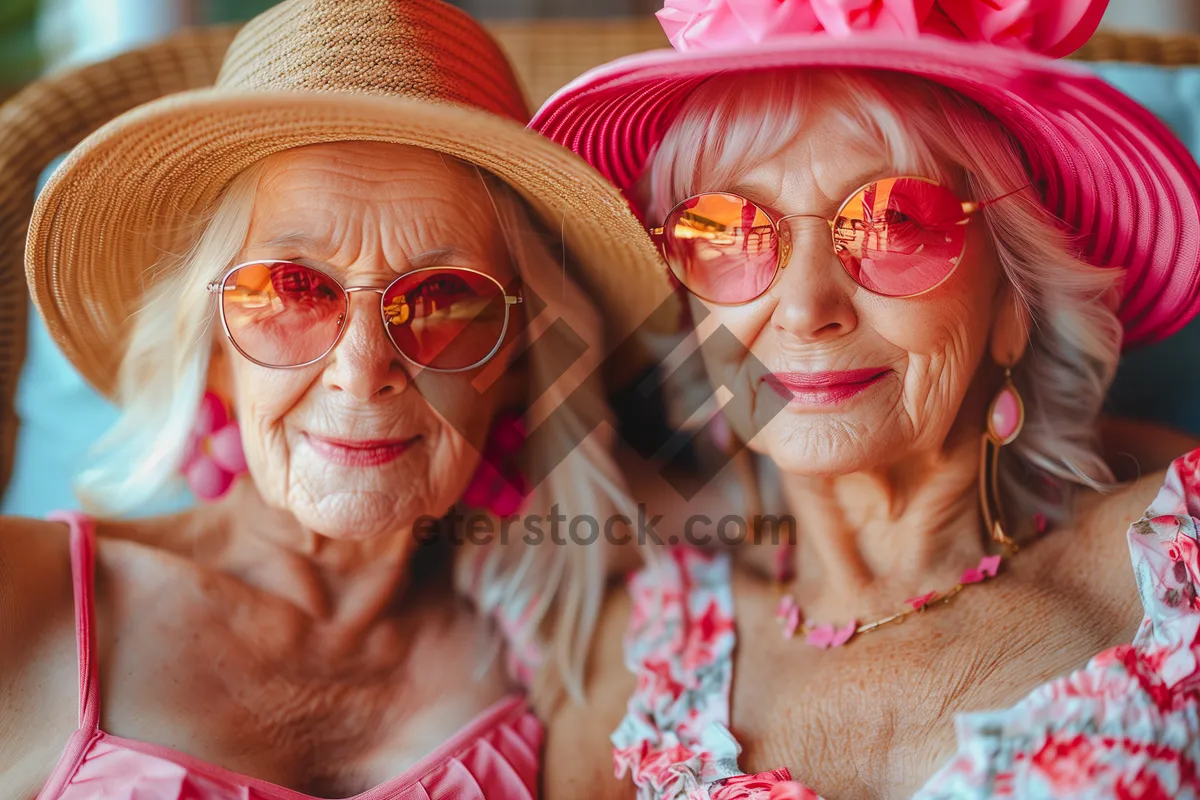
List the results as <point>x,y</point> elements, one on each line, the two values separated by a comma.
<point>824,161</point>
<point>332,192</point>
<point>841,123</point>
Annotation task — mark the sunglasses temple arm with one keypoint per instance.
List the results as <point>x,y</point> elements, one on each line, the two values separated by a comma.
<point>972,207</point>
<point>658,236</point>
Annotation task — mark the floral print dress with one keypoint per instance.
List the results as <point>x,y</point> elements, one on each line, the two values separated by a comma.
<point>1125,726</point>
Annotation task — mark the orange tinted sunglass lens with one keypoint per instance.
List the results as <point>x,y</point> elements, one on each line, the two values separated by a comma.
<point>282,314</point>
<point>722,247</point>
<point>900,236</point>
<point>445,318</point>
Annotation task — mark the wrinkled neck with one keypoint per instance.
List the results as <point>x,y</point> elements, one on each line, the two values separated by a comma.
<point>909,528</point>
<point>347,583</point>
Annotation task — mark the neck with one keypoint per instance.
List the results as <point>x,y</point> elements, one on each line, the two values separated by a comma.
<point>348,583</point>
<point>869,540</point>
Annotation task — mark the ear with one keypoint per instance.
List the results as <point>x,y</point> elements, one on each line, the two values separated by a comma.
<point>1010,329</point>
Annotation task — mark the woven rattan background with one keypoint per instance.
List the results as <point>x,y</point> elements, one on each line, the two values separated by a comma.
<point>43,121</point>
<point>53,115</point>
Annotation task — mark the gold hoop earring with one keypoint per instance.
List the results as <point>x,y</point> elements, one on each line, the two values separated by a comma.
<point>1005,419</point>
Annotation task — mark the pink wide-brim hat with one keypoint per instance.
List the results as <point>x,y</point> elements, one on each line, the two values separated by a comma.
<point>1119,179</point>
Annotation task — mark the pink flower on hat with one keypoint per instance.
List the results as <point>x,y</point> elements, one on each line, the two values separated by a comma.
<point>1052,27</point>
<point>1055,28</point>
<point>713,24</point>
<point>843,17</point>
<point>214,456</point>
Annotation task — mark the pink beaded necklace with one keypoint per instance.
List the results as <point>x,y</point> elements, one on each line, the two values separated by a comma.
<point>827,635</point>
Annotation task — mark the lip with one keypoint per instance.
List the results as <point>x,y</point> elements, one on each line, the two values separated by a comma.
<point>359,453</point>
<point>824,388</point>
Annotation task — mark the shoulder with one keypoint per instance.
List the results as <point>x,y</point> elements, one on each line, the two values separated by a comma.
<point>35,580</point>
<point>1143,457</point>
<point>38,665</point>
<point>37,592</point>
<point>1103,520</point>
<point>1133,448</point>
<point>1108,515</point>
<point>578,759</point>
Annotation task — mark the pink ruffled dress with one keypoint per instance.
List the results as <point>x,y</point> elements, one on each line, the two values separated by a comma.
<point>496,756</point>
<point>1125,726</point>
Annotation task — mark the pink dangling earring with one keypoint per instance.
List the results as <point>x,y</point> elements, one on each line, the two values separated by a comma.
<point>214,457</point>
<point>1005,419</point>
<point>498,484</point>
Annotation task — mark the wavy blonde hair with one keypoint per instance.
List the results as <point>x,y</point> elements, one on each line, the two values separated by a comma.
<point>558,588</point>
<point>724,130</point>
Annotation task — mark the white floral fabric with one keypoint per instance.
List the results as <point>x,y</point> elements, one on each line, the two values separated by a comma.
<point>1126,726</point>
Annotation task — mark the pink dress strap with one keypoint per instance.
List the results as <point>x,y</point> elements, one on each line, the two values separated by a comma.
<point>83,557</point>
<point>675,740</point>
<point>83,568</point>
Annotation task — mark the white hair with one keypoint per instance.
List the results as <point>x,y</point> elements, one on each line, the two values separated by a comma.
<point>724,130</point>
<point>558,587</point>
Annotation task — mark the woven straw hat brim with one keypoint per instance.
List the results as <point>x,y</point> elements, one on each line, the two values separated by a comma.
<point>104,217</point>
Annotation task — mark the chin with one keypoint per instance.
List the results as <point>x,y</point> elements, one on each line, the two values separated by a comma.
<point>348,530</point>
<point>356,518</point>
<point>819,450</point>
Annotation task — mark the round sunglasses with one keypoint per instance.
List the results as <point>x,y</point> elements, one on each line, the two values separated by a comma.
<point>284,315</point>
<point>897,237</point>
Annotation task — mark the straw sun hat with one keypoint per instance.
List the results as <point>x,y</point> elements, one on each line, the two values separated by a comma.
<point>413,72</point>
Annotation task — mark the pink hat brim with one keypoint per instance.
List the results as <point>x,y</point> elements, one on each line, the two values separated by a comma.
<point>1103,164</point>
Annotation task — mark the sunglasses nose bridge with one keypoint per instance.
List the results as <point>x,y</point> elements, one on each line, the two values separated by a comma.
<point>353,290</point>
<point>785,234</point>
<point>383,309</point>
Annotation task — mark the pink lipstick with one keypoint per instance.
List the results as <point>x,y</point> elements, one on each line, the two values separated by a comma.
<point>362,453</point>
<point>823,388</point>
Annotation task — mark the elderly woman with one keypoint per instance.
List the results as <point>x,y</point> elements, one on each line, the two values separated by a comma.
<point>320,273</point>
<point>913,247</point>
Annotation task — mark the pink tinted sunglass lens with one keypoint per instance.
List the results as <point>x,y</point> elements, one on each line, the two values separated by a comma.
<point>281,314</point>
<point>722,247</point>
<point>445,319</point>
<point>901,236</point>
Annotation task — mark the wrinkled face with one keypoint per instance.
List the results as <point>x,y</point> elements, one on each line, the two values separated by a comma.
<point>362,442</point>
<point>863,380</point>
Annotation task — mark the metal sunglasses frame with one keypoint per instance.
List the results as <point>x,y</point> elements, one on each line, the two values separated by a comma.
<point>218,286</point>
<point>783,234</point>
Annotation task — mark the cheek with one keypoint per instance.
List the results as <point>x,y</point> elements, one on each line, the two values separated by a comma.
<point>944,335</point>
<point>262,399</point>
<point>456,404</point>
<point>930,327</point>
<point>952,319</point>
<point>728,334</point>
<point>462,417</point>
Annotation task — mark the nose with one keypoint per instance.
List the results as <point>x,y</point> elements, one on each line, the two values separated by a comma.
<point>813,293</point>
<point>365,363</point>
